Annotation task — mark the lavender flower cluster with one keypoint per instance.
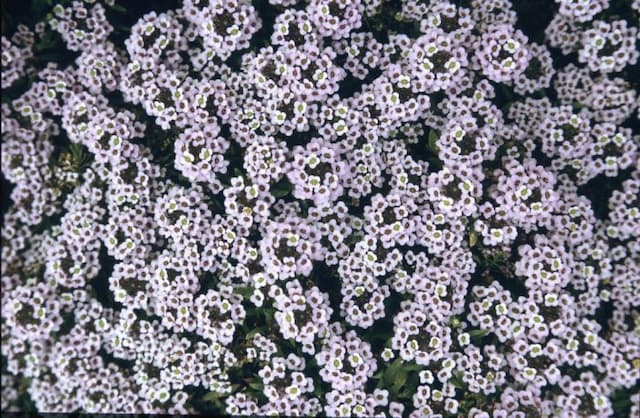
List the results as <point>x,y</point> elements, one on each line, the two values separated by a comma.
<point>323,208</point>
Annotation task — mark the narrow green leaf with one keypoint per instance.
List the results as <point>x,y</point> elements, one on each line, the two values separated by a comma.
<point>244,291</point>
<point>473,238</point>
<point>255,331</point>
<point>281,189</point>
<point>353,239</point>
<point>456,381</point>
<point>478,333</point>
<point>432,139</point>
<point>256,385</point>
<point>119,8</point>
<point>409,388</point>
<point>393,370</point>
<point>268,314</point>
<point>398,382</point>
<point>39,7</point>
<point>211,397</point>
<point>239,173</point>
<point>412,367</point>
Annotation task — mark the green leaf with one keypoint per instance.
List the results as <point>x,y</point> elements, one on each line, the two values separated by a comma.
<point>281,188</point>
<point>39,7</point>
<point>353,239</point>
<point>76,151</point>
<point>118,8</point>
<point>412,367</point>
<point>123,28</point>
<point>215,398</point>
<point>432,139</point>
<point>466,405</point>
<point>216,203</point>
<point>621,402</point>
<point>47,41</point>
<point>456,381</point>
<point>268,314</point>
<point>398,382</point>
<point>478,333</point>
<point>410,387</point>
<point>212,397</point>
<point>254,331</point>
<point>256,385</point>
<point>392,370</point>
<point>473,238</point>
<point>244,291</point>
<point>239,173</point>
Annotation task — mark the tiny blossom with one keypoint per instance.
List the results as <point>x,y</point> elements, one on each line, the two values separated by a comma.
<point>286,251</point>
<point>609,47</point>
<point>487,13</point>
<point>294,26</point>
<point>434,63</point>
<point>564,135</point>
<point>152,37</point>
<point>199,154</point>
<point>455,20</point>
<point>581,10</point>
<point>80,27</point>
<point>264,160</point>
<point>224,26</point>
<point>14,60</point>
<point>611,100</point>
<point>624,210</point>
<point>346,362</point>
<point>538,73</point>
<point>529,194</point>
<point>544,267</point>
<point>216,317</point>
<point>316,173</point>
<point>613,148</point>
<point>362,53</point>
<point>563,33</point>
<point>302,316</point>
<point>501,53</point>
<point>335,18</point>
<point>99,68</point>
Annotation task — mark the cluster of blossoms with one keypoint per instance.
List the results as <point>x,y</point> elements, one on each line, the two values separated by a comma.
<point>323,208</point>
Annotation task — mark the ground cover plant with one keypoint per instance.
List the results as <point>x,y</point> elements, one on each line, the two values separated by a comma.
<point>321,208</point>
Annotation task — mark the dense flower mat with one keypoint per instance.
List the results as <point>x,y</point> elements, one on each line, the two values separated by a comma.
<point>324,207</point>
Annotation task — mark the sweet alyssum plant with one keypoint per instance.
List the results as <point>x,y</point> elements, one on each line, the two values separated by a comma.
<point>323,207</point>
